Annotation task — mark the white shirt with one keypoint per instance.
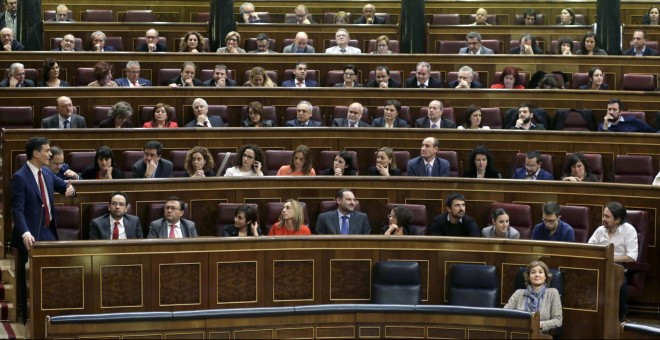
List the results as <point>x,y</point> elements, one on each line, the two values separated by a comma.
<point>657,179</point>
<point>236,172</point>
<point>62,119</point>
<point>122,230</point>
<point>337,50</point>
<point>624,240</point>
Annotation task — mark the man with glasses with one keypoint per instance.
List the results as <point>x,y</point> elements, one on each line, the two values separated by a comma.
<point>61,14</point>
<point>263,44</point>
<point>9,17</point>
<point>552,228</point>
<point>353,117</point>
<point>202,118</point>
<point>303,116</point>
<point>133,76</point>
<point>57,165</point>
<point>98,43</point>
<point>151,43</point>
<point>302,16</point>
<point>116,224</point>
<point>172,225</point>
<point>152,165</point>
<point>299,81</point>
<point>342,38</point>
<point>473,41</point>
<point>350,77</point>
<point>422,78</point>
<point>248,14</point>
<point>299,45</point>
<point>382,79</point>
<point>16,77</point>
<point>531,170</point>
<point>369,16</point>
<point>8,42</point>
<point>67,44</point>
<point>220,77</point>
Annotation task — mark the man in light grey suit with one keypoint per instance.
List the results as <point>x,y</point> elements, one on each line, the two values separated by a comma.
<point>345,220</point>
<point>64,119</point>
<point>299,45</point>
<point>172,225</point>
<point>117,224</point>
<point>474,45</point>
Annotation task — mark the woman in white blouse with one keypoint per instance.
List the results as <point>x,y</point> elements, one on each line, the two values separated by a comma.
<point>249,162</point>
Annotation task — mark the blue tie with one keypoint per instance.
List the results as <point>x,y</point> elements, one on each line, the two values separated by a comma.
<point>344,225</point>
<point>428,169</point>
<point>66,124</point>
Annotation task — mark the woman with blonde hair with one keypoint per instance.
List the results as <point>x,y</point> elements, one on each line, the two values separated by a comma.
<point>382,45</point>
<point>291,221</point>
<point>385,164</point>
<point>232,39</point>
<point>259,78</point>
<point>300,165</point>
<point>198,163</point>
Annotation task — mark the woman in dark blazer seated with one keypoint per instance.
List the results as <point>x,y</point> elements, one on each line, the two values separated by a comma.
<point>481,164</point>
<point>596,80</point>
<point>390,118</point>
<point>104,166</point>
<point>342,166</point>
<point>198,163</point>
<point>118,116</point>
<point>350,76</point>
<point>245,223</point>
<point>578,170</point>
<point>256,116</point>
<point>385,164</point>
<point>52,75</point>
<point>398,220</point>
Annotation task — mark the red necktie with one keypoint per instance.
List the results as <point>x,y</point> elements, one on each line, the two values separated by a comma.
<point>44,199</point>
<point>299,84</point>
<point>115,231</point>
<point>135,84</point>
<point>172,235</point>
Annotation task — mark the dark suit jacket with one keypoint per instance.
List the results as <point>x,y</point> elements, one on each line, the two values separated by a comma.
<point>425,122</point>
<point>109,123</point>
<point>520,173</point>
<point>90,173</point>
<point>416,167</point>
<point>264,123</point>
<point>296,123</point>
<point>75,49</point>
<point>377,20</point>
<point>216,121</point>
<point>55,20</point>
<point>53,122</point>
<point>341,84</point>
<point>106,48</point>
<point>516,50</point>
<point>15,45</point>
<point>292,49</point>
<point>100,229</point>
<point>158,228</point>
<point>473,84</point>
<point>63,83</point>
<point>390,83</point>
<point>328,223</point>
<point>292,83</point>
<point>26,83</point>
<point>411,83</point>
<point>164,170</point>
<point>126,82</point>
<point>398,122</point>
<point>647,51</point>
<point>373,171</point>
<point>144,48</point>
<point>587,86</point>
<point>343,122</point>
<point>228,82</point>
<point>177,80</point>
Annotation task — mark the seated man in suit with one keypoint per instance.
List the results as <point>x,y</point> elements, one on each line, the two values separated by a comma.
<point>434,119</point>
<point>116,224</point>
<point>8,42</point>
<point>524,121</point>
<point>427,163</point>
<point>639,47</point>
<point>57,165</point>
<point>220,77</point>
<point>474,46</point>
<point>172,225</point>
<point>133,76</point>
<point>369,16</point>
<point>152,165</point>
<point>552,228</point>
<point>263,44</point>
<point>68,44</point>
<point>302,16</point>
<point>532,170</point>
<point>64,119</point>
<point>455,222</point>
<point>343,38</point>
<point>422,78</point>
<point>16,77</point>
<point>527,45</point>
<point>300,73</point>
<point>464,81</point>
<point>98,43</point>
<point>345,220</point>
<point>202,118</point>
<point>616,122</point>
<point>303,116</point>
<point>152,45</point>
<point>382,79</point>
<point>353,117</point>
<point>299,45</point>
<point>248,14</point>
<point>61,14</point>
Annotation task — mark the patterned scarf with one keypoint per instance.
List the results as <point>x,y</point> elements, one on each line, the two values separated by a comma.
<point>533,299</point>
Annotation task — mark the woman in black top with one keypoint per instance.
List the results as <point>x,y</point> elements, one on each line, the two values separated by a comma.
<point>398,221</point>
<point>104,166</point>
<point>481,164</point>
<point>578,170</point>
<point>342,166</point>
<point>256,116</point>
<point>245,223</point>
<point>385,164</point>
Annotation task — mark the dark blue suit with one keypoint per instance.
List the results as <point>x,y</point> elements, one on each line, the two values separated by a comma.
<point>398,122</point>
<point>216,121</point>
<point>520,173</point>
<point>292,83</point>
<point>328,223</point>
<point>296,123</point>
<point>417,167</point>
<point>125,82</point>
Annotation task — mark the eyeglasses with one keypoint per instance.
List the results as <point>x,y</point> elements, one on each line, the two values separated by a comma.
<point>170,208</point>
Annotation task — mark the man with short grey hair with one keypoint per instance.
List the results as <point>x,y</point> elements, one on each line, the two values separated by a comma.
<point>353,117</point>
<point>303,116</point>
<point>7,41</point>
<point>473,40</point>
<point>98,43</point>
<point>151,38</point>
<point>16,77</point>
<point>422,78</point>
<point>342,37</point>
<point>465,76</point>
<point>248,14</point>
<point>133,76</point>
<point>202,118</point>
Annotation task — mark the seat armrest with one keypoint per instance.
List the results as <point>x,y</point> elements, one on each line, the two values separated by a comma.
<point>638,266</point>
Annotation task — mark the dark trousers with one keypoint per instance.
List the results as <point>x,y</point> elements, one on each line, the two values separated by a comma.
<point>623,298</point>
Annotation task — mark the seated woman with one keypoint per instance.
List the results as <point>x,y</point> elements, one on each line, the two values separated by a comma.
<point>245,223</point>
<point>500,227</point>
<point>564,46</point>
<point>538,296</point>
<point>291,221</point>
<point>509,79</point>
<point>550,81</point>
<point>481,164</point>
<point>596,80</point>
<point>398,221</point>
<point>341,166</point>
<point>249,162</point>
<point>300,165</point>
<point>187,77</point>
<point>577,170</point>
<point>259,78</point>
<point>350,77</point>
<point>192,42</point>
<point>385,164</point>
<point>198,163</point>
<point>651,17</point>
<point>390,118</point>
<point>473,119</point>
<point>118,116</point>
<point>567,17</point>
<point>161,118</point>
<point>104,166</point>
<point>103,76</point>
<point>256,116</point>
<point>231,43</point>
<point>589,45</point>
<point>52,75</point>
<point>383,45</point>
<point>341,18</point>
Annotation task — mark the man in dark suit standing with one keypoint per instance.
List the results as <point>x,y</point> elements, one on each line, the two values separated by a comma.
<point>64,119</point>
<point>98,43</point>
<point>133,76</point>
<point>152,165</point>
<point>299,75</point>
<point>117,224</point>
<point>422,78</point>
<point>303,116</point>
<point>202,119</point>
<point>345,220</point>
<point>369,16</point>
<point>428,164</point>
<point>16,77</point>
<point>172,225</point>
<point>152,45</point>
<point>353,117</point>
<point>32,199</point>
<point>434,119</point>
<point>382,79</point>
<point>639,47</point>
<point>220,77</point>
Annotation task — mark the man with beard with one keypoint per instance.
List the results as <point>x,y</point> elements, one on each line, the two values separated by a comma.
<point>454,222</point>
<point>532,170</point>
<point>524,122</point>
<point>116,224</point>
<point>345,220</point>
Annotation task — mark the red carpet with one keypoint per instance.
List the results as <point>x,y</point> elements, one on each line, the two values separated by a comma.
<point>6,332</point>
